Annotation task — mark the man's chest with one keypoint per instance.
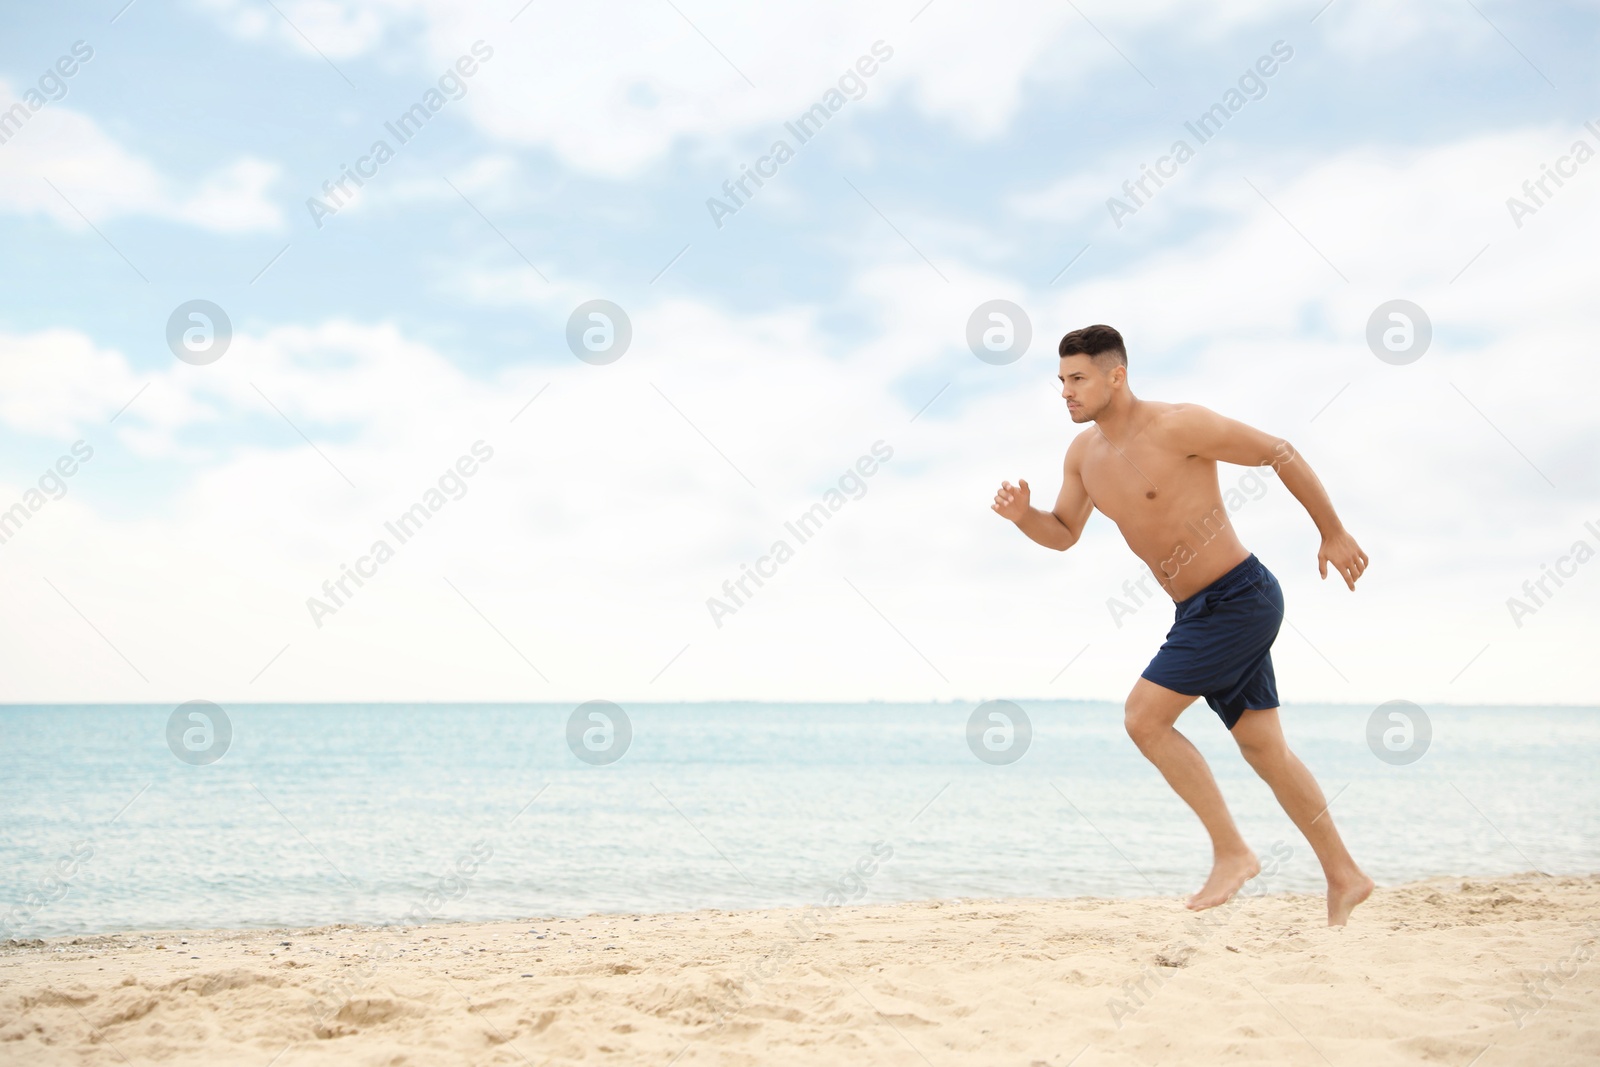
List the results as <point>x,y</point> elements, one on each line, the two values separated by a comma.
<point>1138,479</point>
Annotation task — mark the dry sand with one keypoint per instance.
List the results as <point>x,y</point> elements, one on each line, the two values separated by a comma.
<point>1426,973</point>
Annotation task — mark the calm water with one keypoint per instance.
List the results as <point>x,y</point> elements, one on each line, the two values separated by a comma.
<point>376,813</point>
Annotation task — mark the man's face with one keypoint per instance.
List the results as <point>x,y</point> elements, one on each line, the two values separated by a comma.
<point>1087,385</point>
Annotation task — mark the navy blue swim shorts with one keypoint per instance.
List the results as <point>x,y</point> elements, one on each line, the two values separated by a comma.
<point>1220,643</point>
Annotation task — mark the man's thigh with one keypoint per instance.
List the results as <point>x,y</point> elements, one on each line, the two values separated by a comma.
<point>1259,730</point>
<point>1152,705</point>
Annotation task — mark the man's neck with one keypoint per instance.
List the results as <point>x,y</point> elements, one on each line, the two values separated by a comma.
<point>1121,418</point>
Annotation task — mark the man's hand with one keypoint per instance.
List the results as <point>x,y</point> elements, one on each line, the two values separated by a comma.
<point>1341,550</point>
<point>1012,501</point>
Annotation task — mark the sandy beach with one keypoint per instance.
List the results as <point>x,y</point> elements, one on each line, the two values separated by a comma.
<point>1441,971</point>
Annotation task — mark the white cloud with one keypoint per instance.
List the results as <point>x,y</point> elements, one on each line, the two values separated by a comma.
<point>608,516</point>
<point>611,87</point>
<point>233,199</point>
<point>53,381</point>
<point>337,30</point>
<point>102,178</point>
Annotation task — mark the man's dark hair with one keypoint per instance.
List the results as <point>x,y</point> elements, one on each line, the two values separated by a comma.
<point>1094,341</point>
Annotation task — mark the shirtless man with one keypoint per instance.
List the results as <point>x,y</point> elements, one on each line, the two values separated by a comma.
<point>1152,469</point>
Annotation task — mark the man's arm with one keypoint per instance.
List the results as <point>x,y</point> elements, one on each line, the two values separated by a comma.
<point>1058,528</point>
<point>1202,432</point>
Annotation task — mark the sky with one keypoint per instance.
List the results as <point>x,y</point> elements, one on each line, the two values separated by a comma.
<point>277,275</point>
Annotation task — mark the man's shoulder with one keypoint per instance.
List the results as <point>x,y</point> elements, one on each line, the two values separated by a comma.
<point>1176,409</point>
<point>1080,443</point>
<point>1175,417</point>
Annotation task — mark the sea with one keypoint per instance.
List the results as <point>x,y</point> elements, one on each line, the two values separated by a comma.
<point>147,817</point>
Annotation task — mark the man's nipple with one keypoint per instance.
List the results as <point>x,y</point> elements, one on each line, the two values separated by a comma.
<point>1150,494</point>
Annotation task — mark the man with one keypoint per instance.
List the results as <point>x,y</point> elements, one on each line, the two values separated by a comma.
<point>1152,469</point>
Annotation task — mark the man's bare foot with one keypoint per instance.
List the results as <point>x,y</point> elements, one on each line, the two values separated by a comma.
<point>1228,873</point>
<point>1343,898</point>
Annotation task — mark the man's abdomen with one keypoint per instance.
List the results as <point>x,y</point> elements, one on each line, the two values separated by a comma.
<point>1189,555</point>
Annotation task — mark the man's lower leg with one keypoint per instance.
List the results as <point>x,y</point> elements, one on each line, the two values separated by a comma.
<point>1301,798</point>
<point>1186,771</point>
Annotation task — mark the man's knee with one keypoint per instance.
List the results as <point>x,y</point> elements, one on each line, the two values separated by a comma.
<point>1144,727</point>
<point>1262,751</point>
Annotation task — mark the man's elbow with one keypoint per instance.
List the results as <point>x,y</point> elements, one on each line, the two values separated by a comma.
<point>1282,452</point>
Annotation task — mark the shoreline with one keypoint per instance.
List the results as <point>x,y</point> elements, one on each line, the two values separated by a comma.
<point>1430,971</point>
<point>11,942</point>
<point>127,935</point>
